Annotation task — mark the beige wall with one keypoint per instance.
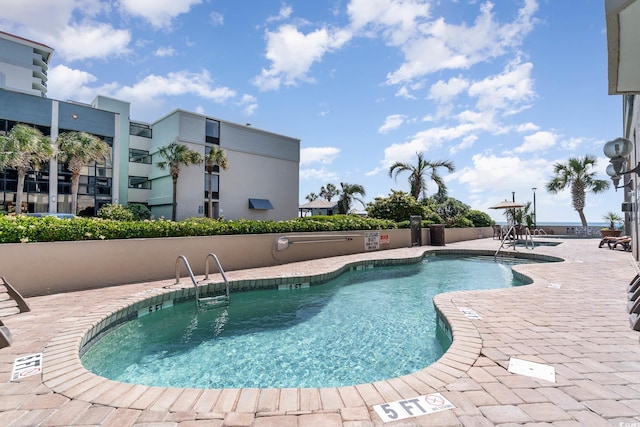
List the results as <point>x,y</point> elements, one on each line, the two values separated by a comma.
<point>52,267</point>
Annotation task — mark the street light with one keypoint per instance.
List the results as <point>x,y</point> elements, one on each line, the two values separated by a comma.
<point>534,208</point>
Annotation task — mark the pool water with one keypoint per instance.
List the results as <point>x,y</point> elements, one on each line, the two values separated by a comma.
<point>364,326</point>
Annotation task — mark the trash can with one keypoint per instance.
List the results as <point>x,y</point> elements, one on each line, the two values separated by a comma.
<point>436,233</point>
<point>415,223</point>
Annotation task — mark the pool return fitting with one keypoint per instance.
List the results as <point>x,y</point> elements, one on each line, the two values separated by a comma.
<point>204,302</point>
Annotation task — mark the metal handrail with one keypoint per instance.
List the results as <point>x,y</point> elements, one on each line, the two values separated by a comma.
<point>206,271</point>
<point>193,279</point>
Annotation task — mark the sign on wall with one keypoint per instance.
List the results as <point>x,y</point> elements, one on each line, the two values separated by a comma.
<point>371,240</point>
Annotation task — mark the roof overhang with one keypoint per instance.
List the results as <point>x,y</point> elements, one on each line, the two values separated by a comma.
<point>623,45</point>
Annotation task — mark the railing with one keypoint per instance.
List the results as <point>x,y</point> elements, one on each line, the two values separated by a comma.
<point>206,300</point>
<point>512,235</point>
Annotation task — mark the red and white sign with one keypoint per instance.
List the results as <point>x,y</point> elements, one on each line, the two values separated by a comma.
<point>384,238</point>
<point>26,366</point>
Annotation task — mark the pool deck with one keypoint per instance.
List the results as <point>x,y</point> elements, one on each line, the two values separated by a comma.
<point>573,317</point>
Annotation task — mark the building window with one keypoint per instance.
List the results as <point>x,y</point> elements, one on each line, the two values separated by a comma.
<point>212,131</point>
<point>139,156</point>
<point>138,129</point>
<point>141,182</point>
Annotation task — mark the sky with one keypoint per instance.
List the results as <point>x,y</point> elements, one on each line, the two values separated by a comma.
<point>504,90</point>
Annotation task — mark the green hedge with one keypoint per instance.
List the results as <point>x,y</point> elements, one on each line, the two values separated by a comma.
<point>49,229</point>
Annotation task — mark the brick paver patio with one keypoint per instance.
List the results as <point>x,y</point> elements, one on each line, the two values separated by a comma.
<point>573,317</point>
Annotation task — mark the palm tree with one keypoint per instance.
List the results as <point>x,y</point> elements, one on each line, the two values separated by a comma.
<point>24,148</point>
<point>176,155</point>
<point>347,196</point>
<point>215,156</point>
<point>77,150</point>
<point>311,197</point>
<point>328,192</point>
<point>577,174</point>
<point>419,173</point>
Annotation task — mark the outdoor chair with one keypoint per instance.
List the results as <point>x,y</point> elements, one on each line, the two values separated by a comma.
<point>613,242</point>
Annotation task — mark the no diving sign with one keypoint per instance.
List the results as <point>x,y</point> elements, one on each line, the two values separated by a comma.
<point>26,366</point>
<point>414,407</point>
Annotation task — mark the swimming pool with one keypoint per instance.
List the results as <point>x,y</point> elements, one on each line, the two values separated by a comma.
<point>364,326</point>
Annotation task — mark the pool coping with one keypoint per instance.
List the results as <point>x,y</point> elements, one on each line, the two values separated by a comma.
<point>65,374</point>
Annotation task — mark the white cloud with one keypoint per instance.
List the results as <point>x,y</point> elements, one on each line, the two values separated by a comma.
<point>292,53</point>
<point>250,104</point>
<point>502,174</point>
<point>437,45</point>
<point>159,13</point>
<point>392,122</point>
<point>165,51</point>
<point>216,18</point>
<point>323,155</point>
<point>93,40</point>
<point>321,175</point>
<point>284,13</point>
<point>511,90</point>
<point>446,91</point>
<point>398,20</point>
<point>174,84</point>
<point>538,141</point>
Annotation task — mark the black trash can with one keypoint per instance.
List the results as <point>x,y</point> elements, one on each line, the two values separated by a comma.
<point>436,233</point>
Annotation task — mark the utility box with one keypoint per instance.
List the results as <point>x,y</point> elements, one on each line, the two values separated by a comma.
<point>436,232</point>
<point>415,223</point>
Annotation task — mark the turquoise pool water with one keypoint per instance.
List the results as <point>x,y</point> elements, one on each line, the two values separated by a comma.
<point>364,326</point>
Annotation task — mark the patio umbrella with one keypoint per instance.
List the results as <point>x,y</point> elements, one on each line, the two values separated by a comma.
<point>507,205</point>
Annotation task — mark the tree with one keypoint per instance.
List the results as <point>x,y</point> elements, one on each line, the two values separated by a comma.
<point>24,148</point>
<point>398,207</point>
<point>328,192</point>
<point>419,172</point>
<point>578,175</point>
<point>311,197</point>
<point>348,196</point>
<point>175,155</point>
<point>215,156</point>
<point>77,150</point>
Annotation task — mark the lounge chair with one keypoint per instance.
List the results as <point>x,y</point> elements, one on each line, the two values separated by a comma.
<point>613,242</point>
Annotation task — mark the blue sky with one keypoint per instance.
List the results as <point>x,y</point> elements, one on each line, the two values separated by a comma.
<point>503,89</point>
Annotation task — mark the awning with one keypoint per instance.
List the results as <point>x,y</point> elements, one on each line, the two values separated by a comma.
<point>260,204</point>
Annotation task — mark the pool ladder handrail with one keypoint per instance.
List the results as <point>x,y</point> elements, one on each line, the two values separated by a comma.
<point>513,239</point>
<point>216,299</point>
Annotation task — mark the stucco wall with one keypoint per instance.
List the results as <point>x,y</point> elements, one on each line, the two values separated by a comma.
<point>44,268</point>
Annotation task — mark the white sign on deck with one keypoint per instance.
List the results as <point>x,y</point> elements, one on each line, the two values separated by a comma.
<point>414,407</point>
<point>532,369</point>
<point>26,366</point>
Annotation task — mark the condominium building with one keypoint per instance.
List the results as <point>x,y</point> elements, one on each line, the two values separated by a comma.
<point>23,64</point>
<point>261,181</point>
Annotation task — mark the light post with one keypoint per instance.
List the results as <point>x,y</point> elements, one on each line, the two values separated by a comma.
<point>534,209</point>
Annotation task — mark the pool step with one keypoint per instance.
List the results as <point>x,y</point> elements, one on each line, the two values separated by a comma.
<point>209,302</point>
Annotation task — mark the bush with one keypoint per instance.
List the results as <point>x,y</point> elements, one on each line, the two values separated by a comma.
<point>399,207</point>
<point>479,218</point>
<point>23,229</point>
<point>116,212</point>
<point>140,212</point>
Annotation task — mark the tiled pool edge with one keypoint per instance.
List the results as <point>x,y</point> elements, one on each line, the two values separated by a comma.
<point>63,372</point>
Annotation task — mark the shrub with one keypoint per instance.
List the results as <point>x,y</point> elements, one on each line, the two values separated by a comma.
<point>116,212</point>
<point>47,229</point>
<point>140,212</point>
<point>479,218</point>
<point>399,206</point>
